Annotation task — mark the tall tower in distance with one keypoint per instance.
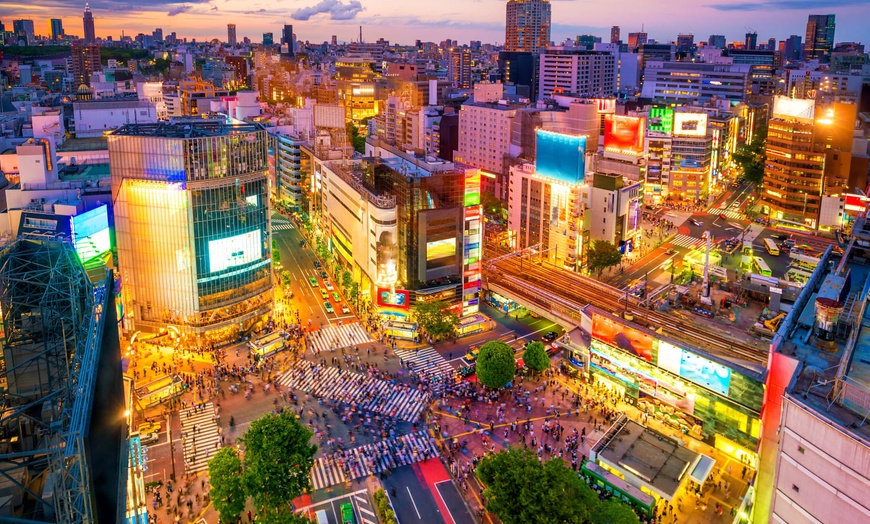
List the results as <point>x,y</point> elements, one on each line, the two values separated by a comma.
<point>614,34</point>
<point>527,25</point>
<point>88,20</point>
<point>231,34</point>
<point>819,41</point>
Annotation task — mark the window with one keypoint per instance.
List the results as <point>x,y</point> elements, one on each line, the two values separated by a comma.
<point>795,488</point>
<point>801,449</point>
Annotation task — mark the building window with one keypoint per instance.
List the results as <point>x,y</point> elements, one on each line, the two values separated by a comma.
<point>795,488</point>
<point>801,449</point>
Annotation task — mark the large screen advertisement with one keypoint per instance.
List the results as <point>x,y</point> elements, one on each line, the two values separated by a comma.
<point>560,156</point>
<point>690,124</point>
<point>234,251</point>
<point>624,337</point>
<point>705,372</point>
<point>440,249</point>
<point>661,120</point>
<point>399,299</point>
<point>623,134</point>
<point>91,233</point>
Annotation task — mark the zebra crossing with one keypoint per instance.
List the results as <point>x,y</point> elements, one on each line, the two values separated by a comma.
<point>733,215</point>
<point>426,363</point>
<point>364,508</point>
<point>399,401</point>
<point>281,226</point>
<point>371,459</point>
<point>200,437</point>
<point>340,336</point>
<point>685,241</point>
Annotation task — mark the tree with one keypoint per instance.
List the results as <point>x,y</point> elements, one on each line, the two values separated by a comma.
<point>346,279</point>
<point>436,319</point>
<point>602,255</point>
<point>278,459</point>
<point>493,207</point>
<point>276,256</point>
<point>614,512</point>
<point>495,364</point>
<point>283,515</point>
<point>536,356</point>
<point>750,157</point>
<point>323,253</point>
<point>226,489</point>
<point>521,490</point>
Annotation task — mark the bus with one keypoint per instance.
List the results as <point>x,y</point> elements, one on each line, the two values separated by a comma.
<point>266,339</point>
<point>160,389</point>
<point>761,267</point>
<point>604,480</point>
<point>771,247</point>
<point>269,349</point>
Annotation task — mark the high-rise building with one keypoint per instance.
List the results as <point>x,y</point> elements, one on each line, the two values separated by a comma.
<point>459,69</point>
<point>192,226</point>
<point>24,31</point>
<point>231,34</point>
<point>519,68</point>
<point>751,41</point>
<point>85,61</point>
<point>614,34</point>
<point>771,44</point>
<point>636,40</point>
<point>527,25</point>
<point>698,81</point>
<point>819,40</point>
<point>576,71</point>
<point>55,28</point>
<point>288,38</point>
<point>793,48</point>
<point>88,21</point>
<point>268,39</point>
<point>685,43</point>
<point>717,41</point>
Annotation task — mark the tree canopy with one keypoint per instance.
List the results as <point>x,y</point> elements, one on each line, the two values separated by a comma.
<point>225,484</point>
<point>536,356</point>
<point>602,255</point>
<point>614,512</point>
<point>750,157</point>
<point>436,319</point>
<point>495,364</point>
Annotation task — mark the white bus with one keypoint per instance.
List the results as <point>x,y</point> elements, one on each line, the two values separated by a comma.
<point>761,267</point>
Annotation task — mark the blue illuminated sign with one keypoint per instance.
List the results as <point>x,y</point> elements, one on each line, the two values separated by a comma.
<point>560,156</point>
<point>705,372</point>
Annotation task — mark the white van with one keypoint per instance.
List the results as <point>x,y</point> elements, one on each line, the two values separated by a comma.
<point>321,516</point>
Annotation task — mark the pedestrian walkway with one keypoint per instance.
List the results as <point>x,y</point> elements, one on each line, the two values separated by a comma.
<point>685,241</point>
<point>427,363</point>
<point>340,336</point>
<point>733,215</point>
<point>379,396</point>
<point>200,437</point>
<point>365,509</point>
<point>371,459</point>
<point>281,226</point>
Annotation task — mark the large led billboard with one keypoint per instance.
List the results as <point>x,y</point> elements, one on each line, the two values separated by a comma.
<point>399,299</point>
<point>91,233</point>
<point>560,156</point>
<point>235,251</point>
<point>624,337</point>
<point>804,108</point>
<point>623,134</point>
<point>661,120</point>
<point>705,372</point>
<point>690,124</point>
<point>440,249</point>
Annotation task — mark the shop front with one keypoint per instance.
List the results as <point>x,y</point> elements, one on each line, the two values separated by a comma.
<point>501,303</point>
<point>471,324</point>
<point>401,330</point>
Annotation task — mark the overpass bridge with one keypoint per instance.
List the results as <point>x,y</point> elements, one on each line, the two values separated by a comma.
<point>565,313</point>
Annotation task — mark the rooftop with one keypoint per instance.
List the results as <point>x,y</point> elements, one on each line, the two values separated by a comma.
<point>187,128</point>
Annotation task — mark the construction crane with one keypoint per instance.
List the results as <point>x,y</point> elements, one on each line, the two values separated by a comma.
<point>705,288</point>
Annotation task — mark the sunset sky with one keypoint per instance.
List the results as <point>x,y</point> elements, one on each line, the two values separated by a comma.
<point>403,21</point>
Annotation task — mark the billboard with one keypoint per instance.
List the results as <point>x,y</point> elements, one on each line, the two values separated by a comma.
<point>440,249</point>
<point>623,134</point>
<point>705,372</point>
<point>794,107</point>
<point>234,251</point>
<point>661,120</point>
<point>619,335</point>
<point>690,124</point>
<point>560,156</point>
<point>91,233</point>
<point>400,298</point>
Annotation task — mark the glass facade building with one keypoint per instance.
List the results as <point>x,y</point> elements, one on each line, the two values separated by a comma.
<point>192,225</point>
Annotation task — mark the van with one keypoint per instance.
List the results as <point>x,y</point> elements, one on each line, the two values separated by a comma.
<point>320,515</point>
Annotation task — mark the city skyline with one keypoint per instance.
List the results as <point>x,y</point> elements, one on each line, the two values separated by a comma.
<point>403,22</point>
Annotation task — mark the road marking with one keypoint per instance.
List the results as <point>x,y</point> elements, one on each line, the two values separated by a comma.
<point>329,501</point>
<point>414,503</point>
<point>440,496</point>
<point>532,333</point>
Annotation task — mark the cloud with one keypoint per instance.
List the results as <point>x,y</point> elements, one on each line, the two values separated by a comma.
<point>336,9</point>
<point>773,5</point>
<point>255,12</point>
<point>178,10</point>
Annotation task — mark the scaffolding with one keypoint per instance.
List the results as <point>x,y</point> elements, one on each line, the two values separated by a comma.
<point>53,316</point>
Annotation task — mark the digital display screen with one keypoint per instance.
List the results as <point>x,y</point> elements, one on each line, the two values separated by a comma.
<point>398,299</point>
<point>91,233</point>
<point>623,337</point>
<point>690,124</point>
<point>623,134</point>
<point>561,156</point>
<point>705,372</point>
<point>235,251</point>
<point>661,119</point>
<point>669,357</point>
<point>441,249</point>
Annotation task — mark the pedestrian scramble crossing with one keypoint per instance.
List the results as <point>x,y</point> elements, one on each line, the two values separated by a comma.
<point>200,436</point>
<point>733,215</point>
<point>399,401</point>
<point>685,241</point>
<point>281,226</point>
<point>427,363</point>
<point>371,459</point>
<point>340,336</point>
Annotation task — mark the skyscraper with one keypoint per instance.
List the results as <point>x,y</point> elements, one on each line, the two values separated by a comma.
<point>614,34</point>
<point>685,43</point>
<point>717,41</point>
<point>636,40</point>
<point>287,38</point>
<point>460,68</point>
<point>527,26</point>
<point>88,21</point>
<point>231,34</point>
<point>793,48</point>
<point>85,60</point>
<point>268,39</point>
<point>55,28</point>
<point>751,43</point>
<point>819,40</point>
<point>23,30</point>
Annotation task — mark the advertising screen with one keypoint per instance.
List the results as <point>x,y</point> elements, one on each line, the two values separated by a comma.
<point>91,233</point>
<point>690,124</point>
<point>661,120</point>
<point>705,372</point>
<point>234,251</point>
<point>399,299</point>
<point>624,337</point>
<point>561,156</point>
<point>623,134</point>
<point>441,249</point>
<point>669,357</point>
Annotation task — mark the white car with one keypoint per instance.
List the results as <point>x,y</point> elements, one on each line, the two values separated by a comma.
<point>149,438</point>
<point>344,309</point>
<point>328,285</point>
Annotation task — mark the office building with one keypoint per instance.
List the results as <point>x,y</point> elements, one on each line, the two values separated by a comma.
<point>157,34</point>
<point>85,61</point>
<point>520,69</point>
<point>231,34</point>
<point>636,40</point>
<point>24,32</point>
<point>647,52</point>
<point>288,38</point>
<point>686,82</point>
<point>90,35</point>
<point>586,41</point>
<point>268,39</point>
<point>285,159</point>
<point>576,71</point>
<point>717,41</point>
<point>485,135</point>
<point>819,41</point>
<point>192,226</point>
<point>55,28</point>
<point>793,49</point>
<point>751,41</point>
<point>614,35</point>
<point>527,26</point>
<point>459,68</point>
<point>95,118</point>
<point>685,44</point>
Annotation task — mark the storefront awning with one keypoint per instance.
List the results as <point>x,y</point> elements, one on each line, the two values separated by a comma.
<point>703,468</point>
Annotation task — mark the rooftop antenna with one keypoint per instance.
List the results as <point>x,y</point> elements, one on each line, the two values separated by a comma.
<point>360,34</point>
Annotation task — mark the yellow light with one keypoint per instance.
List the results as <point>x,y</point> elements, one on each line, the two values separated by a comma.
<point>126,413</point>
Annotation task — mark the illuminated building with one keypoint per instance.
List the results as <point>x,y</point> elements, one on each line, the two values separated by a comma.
<point>576,71</point>
<point>519,68</point>
<point>192,225</point>
<point>286,155</point>
<point>55,27</point>
<point>819,40</point>
<point>688,82</point>
<point>527,26</point>
<point>635,40</point>
<point>231,34</point>
<point>85,61</point>
<point>459,68</point>
<point>88,21</point>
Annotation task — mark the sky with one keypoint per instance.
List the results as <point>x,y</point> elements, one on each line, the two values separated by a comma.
<point>403,21</point>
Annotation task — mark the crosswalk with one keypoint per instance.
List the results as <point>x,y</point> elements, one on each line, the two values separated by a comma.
<point>427,363</point>
<point>399,401</point>
<point>685,241</point>
<point>364,508</point>
<point>371,459</point>
<point>200,436</point>
<point>733,215</point>
<point>281,226</point>
<point>340,336</point>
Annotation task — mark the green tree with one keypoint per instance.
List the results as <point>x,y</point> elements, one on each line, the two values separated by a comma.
<point>602,255</point>
<point>356,140</point>
<point>521,490</point>
<point>750,157</point>
<point>276,256</point>
<point>226,489</point>
<point>495,364</point>
<point>346,279</point>
<point>278,459</point>
<point>493,207</point>
<point>323,253</point>
<point>436,319</point>
<point>614,512</point>
<point>536,356</point>
<point>283,515</point>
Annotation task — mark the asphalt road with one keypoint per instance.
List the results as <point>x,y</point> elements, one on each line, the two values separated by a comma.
<point>413,501</point>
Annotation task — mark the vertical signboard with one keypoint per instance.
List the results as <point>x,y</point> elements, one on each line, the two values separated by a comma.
<point>472,247</point>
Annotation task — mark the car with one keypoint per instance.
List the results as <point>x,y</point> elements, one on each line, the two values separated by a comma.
<point>694,222</point>
<point>313,282</point>
<point>328,307</point>
<point>471,356</point>
<point>723,216</point>
<point>149,427</point>
<point>301,243</point>
<point>316,264</point>
<point>336,296</point>
<point>149,438</point>
<point>328,285</point>
<point>324,293</point>
<point>667,264</point>
<point>671,252</point>
<point>323,275</point>
<point>347,516</point>
<point>345,309</point>
<point>549,337</point>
